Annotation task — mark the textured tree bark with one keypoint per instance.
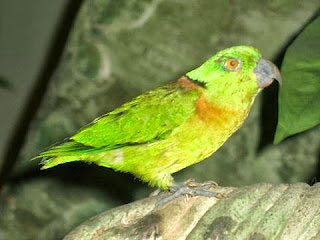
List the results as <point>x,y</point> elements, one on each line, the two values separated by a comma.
<point>260,211</point>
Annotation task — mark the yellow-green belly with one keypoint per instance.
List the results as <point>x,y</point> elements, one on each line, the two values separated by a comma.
<point>193,141</point>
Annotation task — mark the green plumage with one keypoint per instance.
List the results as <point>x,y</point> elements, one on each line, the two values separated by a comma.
<point>147,118</point>
<point>174,126</point>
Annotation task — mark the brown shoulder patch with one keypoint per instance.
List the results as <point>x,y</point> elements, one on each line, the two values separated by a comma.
<point>185,82</point>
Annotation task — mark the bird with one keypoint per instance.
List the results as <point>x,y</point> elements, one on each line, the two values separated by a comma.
<point>175,125</point>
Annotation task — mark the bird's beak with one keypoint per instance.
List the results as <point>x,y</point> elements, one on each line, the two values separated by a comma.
<point>266,72</point>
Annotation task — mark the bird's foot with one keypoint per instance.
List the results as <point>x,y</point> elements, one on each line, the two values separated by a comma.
<point>191,188</point>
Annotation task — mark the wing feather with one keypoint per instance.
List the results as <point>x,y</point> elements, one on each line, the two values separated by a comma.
<point>147,118</point>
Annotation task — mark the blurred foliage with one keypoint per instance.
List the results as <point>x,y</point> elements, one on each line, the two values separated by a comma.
<point>299,99</point>
<point>5,84</point>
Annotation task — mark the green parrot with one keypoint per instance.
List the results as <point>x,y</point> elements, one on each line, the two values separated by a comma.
<point>174,126</point>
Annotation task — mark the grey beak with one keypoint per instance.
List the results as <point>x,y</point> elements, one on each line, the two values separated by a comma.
<point>266,72</point>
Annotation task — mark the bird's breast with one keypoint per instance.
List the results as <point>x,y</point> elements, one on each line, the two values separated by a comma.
<point>217,117</point>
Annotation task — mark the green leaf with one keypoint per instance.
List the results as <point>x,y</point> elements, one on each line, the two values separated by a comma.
<point>299,100</point>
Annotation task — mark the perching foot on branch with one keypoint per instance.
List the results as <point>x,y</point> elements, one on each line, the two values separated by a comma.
<point>191,188</point>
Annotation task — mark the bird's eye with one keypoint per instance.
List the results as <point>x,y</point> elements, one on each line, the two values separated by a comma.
<point>232,64</point>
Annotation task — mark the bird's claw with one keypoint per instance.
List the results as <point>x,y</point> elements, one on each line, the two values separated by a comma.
<point>191,188</point>
<point>205,185</point>
<point>156,192</point>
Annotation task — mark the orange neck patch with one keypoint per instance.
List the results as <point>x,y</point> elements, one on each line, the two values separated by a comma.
<point>210,113</point>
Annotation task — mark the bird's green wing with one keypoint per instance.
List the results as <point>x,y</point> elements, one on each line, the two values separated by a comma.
<point>147,118</point>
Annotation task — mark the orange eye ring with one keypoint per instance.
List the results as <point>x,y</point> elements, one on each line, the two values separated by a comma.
<point>232,64</point>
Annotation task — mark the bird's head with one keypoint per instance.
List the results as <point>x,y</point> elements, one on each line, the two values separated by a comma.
<point>234,76</point>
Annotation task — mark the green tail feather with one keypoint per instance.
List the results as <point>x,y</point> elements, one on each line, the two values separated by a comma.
<point>68,151</point>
